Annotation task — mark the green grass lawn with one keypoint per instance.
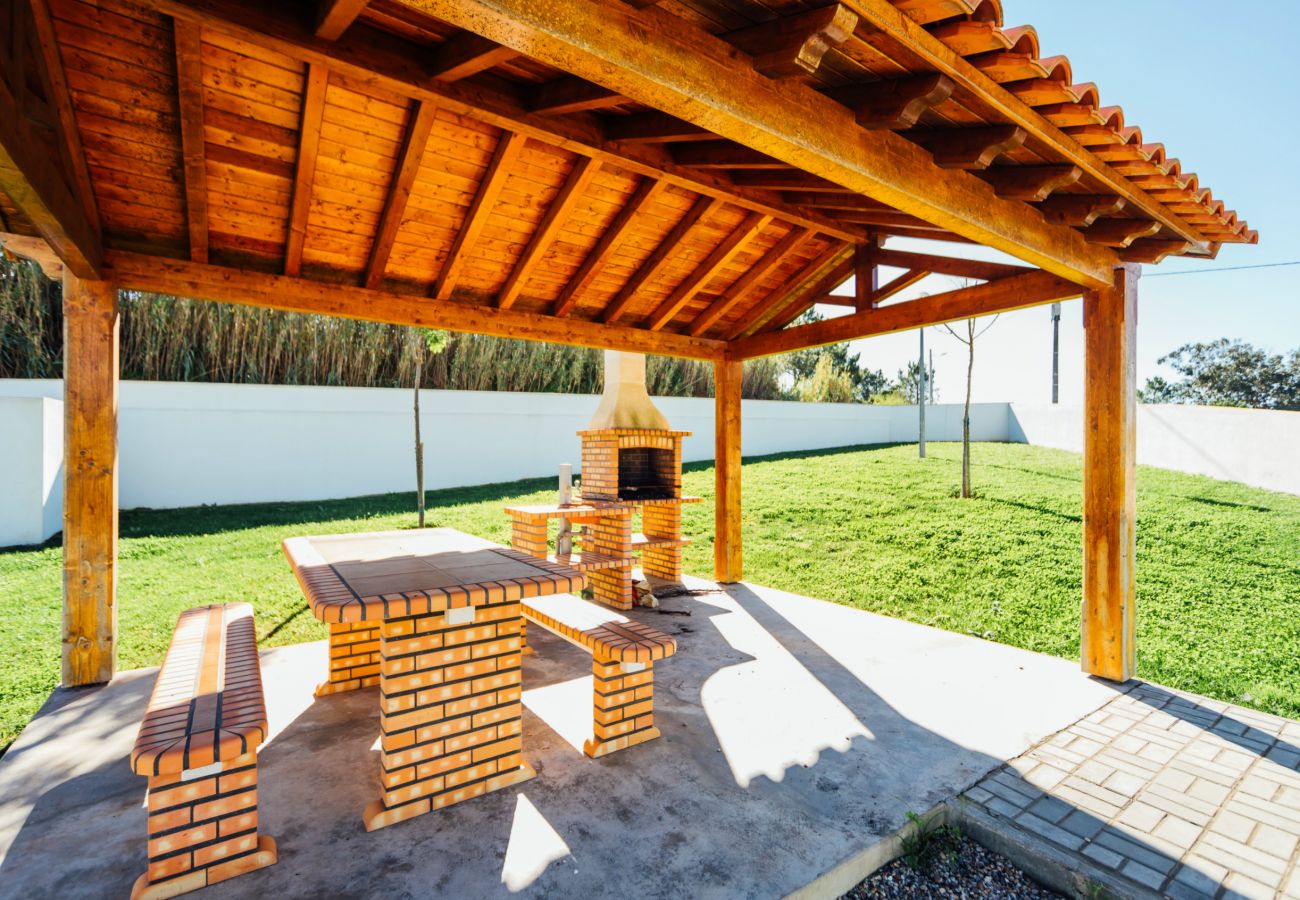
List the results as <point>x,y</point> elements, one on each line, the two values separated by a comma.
<point>1218,563</point>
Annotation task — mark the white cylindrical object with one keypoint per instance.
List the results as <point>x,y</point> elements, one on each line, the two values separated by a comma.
<point>566,483</point>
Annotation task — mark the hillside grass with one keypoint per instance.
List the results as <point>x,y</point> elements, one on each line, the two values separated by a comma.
<point>871,527</point>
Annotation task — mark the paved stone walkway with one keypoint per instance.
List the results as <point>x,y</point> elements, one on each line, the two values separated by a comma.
<point>1173,793</point>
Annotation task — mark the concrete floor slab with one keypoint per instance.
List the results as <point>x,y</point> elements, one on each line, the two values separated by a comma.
<point>796,735</point>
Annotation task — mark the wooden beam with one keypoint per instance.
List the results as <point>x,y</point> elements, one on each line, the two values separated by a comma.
<point>418,127</point>
<point>189,88</point>
<point>569,95</point>
<point>35,249</point>
<point>1030,183</point>
<point>584,168</point>
<point>609,241</point>
<point>465,54</point>
<point>709,267</point>
<point>395,64</point>
<point>655,57</point>
<point>866,276</point>
<point>1120,232</point>
<point>795,44</point>
<point>655,128</point>
<point>662,255</point>
<point>728,559</point>
<point>313,113</point>
<point>1109,477</point>
<point>90,373</point>
<point>895,285</point>
<point>1030,289</point>
<point>333,17</point>
<point>789,245</point>
<point>179,278</point>
<point>947,265</point>
<point>489,188</point>
<point>895,104</point>
<point>810,282</point>
<point>1079,210</point>
<point>935,55</point>
<point>970,148</point>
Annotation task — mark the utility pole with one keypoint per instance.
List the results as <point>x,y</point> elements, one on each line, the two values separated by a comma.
<point>1056,352</point>
<point>930,377</point>
<point>920,393</point>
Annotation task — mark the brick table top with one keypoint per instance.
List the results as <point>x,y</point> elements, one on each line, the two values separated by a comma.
<point>389,574</point>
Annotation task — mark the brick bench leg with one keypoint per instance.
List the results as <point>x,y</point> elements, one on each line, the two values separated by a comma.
<point>354,657</point>
<point>451,716</point>
<point>203,830</point>
<point>624,706</point>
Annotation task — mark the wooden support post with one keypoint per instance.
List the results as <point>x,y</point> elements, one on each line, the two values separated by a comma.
<point>90,368</point>
<point>1109,463</point>
<point>727,376</point>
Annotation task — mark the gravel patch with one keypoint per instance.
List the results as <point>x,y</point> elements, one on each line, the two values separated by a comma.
<point>975,873</point>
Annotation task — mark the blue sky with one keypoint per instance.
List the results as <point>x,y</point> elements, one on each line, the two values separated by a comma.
<point>1214,82</point>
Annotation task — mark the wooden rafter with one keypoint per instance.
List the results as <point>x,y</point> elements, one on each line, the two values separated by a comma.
<point>655,128</point>
<point>795,44</point>
<point>724,155</point>
<point>896,285</point>
<point>229,285</point>
<point>1029,289</point>
<point>387,61</point>
<point>584,168</point>
<point>760,313</point>
<point>313,112</point>
<point>947,265</point>
<point>333,17</point>
<point>660,257</point>
<point>1080,210</point>
<point>609,241</point>
<point>1031,183</point>
<point>570,95</point>
<point>657,58</point>
<point>708,268</point>
<point>399,190</point>
<point>189,85</point>
<point>801,303</point>
<point>465,54</point>
<point>898,103</point>
<point>754,276</point>
<point>489,187</point>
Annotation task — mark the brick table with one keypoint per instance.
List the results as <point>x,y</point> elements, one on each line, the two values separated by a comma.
<point>444,610</point>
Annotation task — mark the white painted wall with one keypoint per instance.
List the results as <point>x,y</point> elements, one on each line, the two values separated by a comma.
<point>31,469</point>
<point>1253,446</point>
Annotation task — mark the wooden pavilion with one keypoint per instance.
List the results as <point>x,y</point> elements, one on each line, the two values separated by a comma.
<point>682,177</point>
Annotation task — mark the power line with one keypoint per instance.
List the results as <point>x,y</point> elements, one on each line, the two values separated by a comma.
<point>1295,262</point>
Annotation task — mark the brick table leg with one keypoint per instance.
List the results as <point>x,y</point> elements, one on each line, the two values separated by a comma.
<point>203,830</point>
<point>664,561</point>
<point>450,711</point>
<point>354,657</point>
<point>624,706</point>
<point>611,535</point>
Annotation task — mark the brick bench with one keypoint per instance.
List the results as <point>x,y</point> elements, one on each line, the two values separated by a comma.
<point>198,746</point>
<point>623,654</point>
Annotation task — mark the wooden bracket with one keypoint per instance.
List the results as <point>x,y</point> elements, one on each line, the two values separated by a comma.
<point>896,104</point>
<point>1120,232</point>
<point>1153,250</point>
<point>971,148</point>
<point>795,45</point>
<point>1079,210</point>
<point>1032,183</point>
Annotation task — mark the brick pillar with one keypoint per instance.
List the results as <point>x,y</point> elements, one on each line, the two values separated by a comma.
<point>203,830</point>
<point>450,711</point>
<point>624,706</point>
<point>663,521</point>
<point>611,535</point>
<point>354,657</point>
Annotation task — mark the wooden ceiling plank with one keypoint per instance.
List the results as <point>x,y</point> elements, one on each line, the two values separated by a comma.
<point>399,190</point>
<point>659,258</point>
<point>229,285</point>
<point>1029,289</point>
<point>569,94</point>
<point>795,44</point>
<point>579,177</point>
<point>895,104</point>
<point>1030,183</point>
<point>771,305</point>
<point>721,256</point>
<point>971,148</point>
<point>189,84</point>
<point>947,265</point>
<point>313,113</point>
<point>503,157</point>
<point>390,62</point>
<point>735,295</point>
<point>1079,210</point>
<point>333,17</point>
<point>659,59</point>
<point>1119,233</point>
<point>608,242</point>
<point>466,53</point>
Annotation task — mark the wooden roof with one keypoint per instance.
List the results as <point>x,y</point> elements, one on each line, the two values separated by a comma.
<point>379,145</point>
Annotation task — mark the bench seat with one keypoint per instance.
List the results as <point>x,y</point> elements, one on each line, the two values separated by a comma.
<point>198,747</point>
<point>623,654</point>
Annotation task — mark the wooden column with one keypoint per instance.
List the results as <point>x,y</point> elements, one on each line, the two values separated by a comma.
<point>726,540</point>
<point>90,370</point>
<point>1109,468</point>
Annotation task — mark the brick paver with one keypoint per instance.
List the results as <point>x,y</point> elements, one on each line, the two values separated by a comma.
<point>1183,795</point>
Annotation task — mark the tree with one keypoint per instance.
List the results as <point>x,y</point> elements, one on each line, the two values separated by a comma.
<point>908,385</point>
<point>1228,373</point>
<point>826,384</point>
<point>423,340</point>
<point>802,364</point>
<point>969,341</point>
